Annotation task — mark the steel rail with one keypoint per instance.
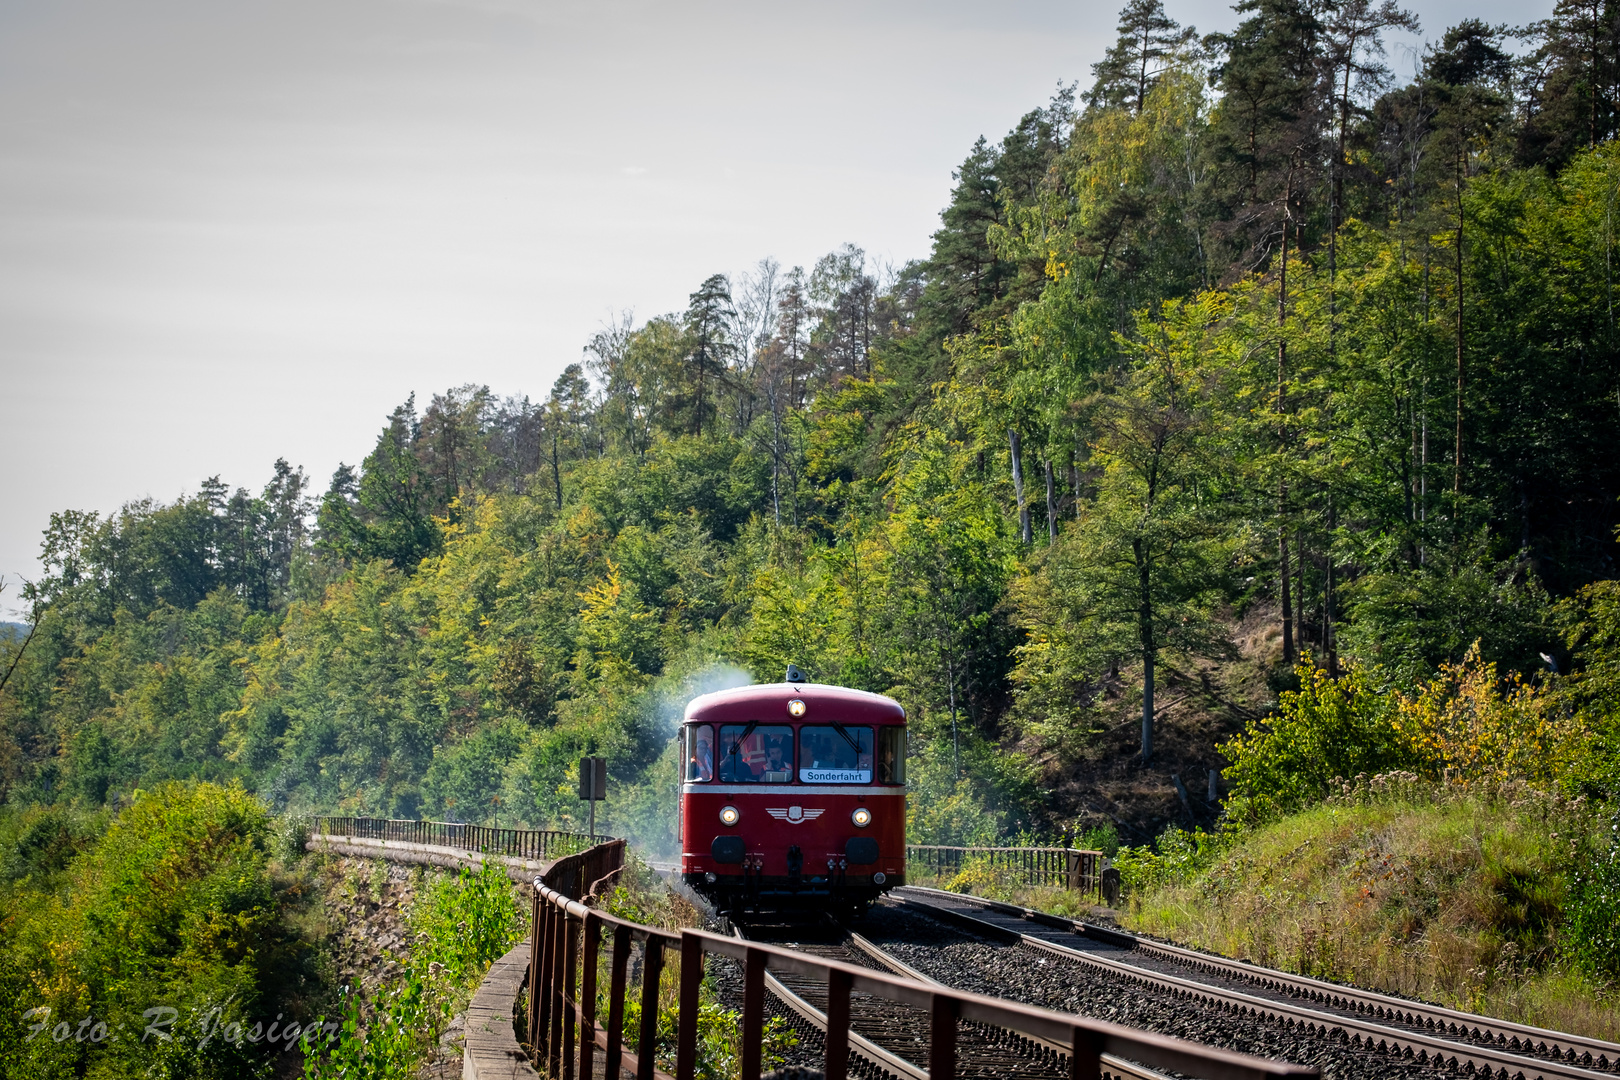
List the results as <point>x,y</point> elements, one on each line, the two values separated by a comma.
<point>1119,1066</point>
<point>858,1043</point>
<point>1425,1047</point>
<point>1384,1006</point>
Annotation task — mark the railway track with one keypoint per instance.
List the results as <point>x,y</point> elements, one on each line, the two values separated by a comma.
<point>1412,1031</point>
<point>889,1041</point>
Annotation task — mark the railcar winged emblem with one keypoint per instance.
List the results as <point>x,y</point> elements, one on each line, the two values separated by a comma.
<point>794,814</point>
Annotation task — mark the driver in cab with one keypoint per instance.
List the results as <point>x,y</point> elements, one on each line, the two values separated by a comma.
<point>775,770</point>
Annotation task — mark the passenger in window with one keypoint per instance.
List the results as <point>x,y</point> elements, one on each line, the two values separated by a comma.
<point>885,772</point>
<point>701,766</point>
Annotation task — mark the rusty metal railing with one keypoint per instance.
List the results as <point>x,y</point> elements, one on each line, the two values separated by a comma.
<point>567,940</point>
<point>521,843</point>
<point>1075,869</point>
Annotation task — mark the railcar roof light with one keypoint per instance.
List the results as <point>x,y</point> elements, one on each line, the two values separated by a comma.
<point>796,707</point>
<point>862,817</point>
<point>729,815</point>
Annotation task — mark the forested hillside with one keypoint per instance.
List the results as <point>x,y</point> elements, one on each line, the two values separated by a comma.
<point>1247,353</point>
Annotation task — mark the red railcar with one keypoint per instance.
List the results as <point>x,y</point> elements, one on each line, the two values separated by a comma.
<point>793,797</point>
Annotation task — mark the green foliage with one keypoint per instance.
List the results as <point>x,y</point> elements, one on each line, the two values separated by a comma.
<point>42,841</point>
<point>467,922</point>
<point>459,925</point>
<point>174,908</point>
<point>1326,729</point>
<point>719,1035</point>
<point>387,513</point>
<point>719,1053</point>
<point>1177,856</point>
<point>1411,621</point>
<point>1142,569</point>
<point>1103,838</point>
<point>1590,623</point>
<point>1592,933</point>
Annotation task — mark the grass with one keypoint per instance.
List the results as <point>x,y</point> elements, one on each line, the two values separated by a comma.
<point>1450,895</point>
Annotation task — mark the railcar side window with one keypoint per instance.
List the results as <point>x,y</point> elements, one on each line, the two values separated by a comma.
<point>755,753</point>
<point>699,752</point>
<point>830,755</point>
<point>891,757</point>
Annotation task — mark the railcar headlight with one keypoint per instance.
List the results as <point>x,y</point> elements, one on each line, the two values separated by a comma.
<point>729,815</point>
<point>796,707</point>
<point>862,817</point>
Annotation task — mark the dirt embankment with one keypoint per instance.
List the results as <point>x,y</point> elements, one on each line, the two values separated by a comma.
<point>1198,704</point>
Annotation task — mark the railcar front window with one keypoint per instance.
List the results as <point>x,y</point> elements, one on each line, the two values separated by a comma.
<point>835,755</point>
<point>891,757</point>
<point>699,752</point>
<point>755,753</point>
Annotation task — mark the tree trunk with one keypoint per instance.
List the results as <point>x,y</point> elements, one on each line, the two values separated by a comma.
<point>1150,649</point>
<point>1282,431</point>
<point>1423,479</point>
<point>1456,461</point>
<point>1051,507</point>
<point>1024,533</point>
<point>1074,484</point>
<point>1299,597</point>
<point>1147,706</point>
<point>1330,644</point>
<point>556,470</point>
<point>776,463</point>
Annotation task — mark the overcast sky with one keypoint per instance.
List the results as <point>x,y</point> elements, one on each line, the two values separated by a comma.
<point>234,231</point>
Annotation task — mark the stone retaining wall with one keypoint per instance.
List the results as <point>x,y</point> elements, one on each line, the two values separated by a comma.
<point>491,1051</point>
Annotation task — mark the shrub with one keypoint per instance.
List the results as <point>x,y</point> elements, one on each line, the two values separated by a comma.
<point>1178,856</point>
<point>1103,838</point>
<point>1488,728</point>
<point>48,838</point>
<point>468,922</point>
<point>173,909</point>
<point>1470,895</point>
<point>976,874</point>
<point>1328,728</point>
<point>1592,927</point>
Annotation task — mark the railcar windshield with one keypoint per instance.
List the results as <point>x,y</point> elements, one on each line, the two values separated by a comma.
<point>755,753</point>
<point>835,755</point>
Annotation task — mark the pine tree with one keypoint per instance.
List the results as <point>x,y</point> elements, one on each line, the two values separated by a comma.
<point>708,314</point>
<point>1148,42</point>
<point>1267,135</point>
<point>1573,81</point>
